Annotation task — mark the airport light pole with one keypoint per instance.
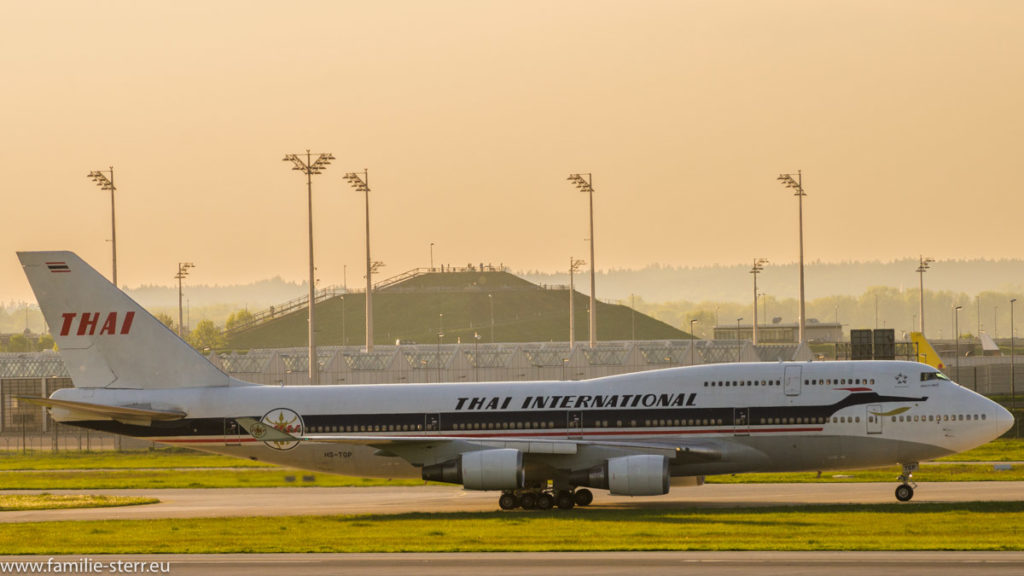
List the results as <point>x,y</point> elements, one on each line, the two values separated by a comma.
<point>755,270</point>
<point>490,299</point>
<point>431,256</point>
<point>586,185</point>
<point>362,184</point>
<point>692,322</point>
<point>739,347</point>
<point>101,180</point>
<point>797,184</point>
<point>476,358</point>
<point>183,268</point>
<point>1013,391</point>
<point>921,269</point>
<point>310,167</point>
<point>956,338</point>
<point>574,266</point>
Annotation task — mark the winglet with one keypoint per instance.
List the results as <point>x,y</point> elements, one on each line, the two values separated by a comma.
<point>261,431</point>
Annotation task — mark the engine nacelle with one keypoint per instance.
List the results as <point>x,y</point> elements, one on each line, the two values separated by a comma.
<point>499,469</point>
<point>639,475</point>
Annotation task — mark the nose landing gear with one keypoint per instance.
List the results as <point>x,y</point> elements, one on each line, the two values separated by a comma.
<point>905,491</point>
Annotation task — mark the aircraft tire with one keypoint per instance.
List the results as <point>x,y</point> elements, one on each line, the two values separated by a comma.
<point>528,501</point>
<point>508,502</point>
<point>583,497</point>
<point>904,492</point>
<point>565,500</point>
<point>545,502</point>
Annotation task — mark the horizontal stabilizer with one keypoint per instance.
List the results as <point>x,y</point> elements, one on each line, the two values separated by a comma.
<point>123,414</point>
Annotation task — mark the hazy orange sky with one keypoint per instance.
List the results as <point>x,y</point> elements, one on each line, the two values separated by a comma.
<point>904,117</point>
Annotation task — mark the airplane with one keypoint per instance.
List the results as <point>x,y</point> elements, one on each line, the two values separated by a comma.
<point>542,444</point>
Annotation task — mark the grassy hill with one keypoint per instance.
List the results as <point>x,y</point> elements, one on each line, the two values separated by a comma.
<point>413,309</point>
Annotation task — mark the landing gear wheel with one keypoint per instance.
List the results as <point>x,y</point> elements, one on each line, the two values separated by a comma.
<point>545,501</point>
<point>583,497</point>
<point>528,501</point>
<point>565,500</point>
<point>904,492</point>
<point>508,501</point>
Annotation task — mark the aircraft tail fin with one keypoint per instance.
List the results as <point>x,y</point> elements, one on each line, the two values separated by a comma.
<point>105,338</point>
<point>925,353</point>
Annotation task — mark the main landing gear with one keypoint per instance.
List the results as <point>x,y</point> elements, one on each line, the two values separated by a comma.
<point>545,500</point>
<point>905,491</point>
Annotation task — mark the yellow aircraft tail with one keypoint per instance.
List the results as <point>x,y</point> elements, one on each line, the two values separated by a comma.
<point>925,353</point>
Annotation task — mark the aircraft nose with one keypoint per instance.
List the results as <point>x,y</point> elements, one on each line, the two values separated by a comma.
<point>1003,420</point>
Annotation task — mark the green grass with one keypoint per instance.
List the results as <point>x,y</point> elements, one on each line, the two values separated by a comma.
<point>1001,450</point>
<point>62,501</point>
<point>964,526</point>
<point>107,459</point>
<point>180,478</point>
<point>927,473</point>
<point>521,313</point>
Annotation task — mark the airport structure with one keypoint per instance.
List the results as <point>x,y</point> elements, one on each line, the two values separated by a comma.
<point>781,333</point>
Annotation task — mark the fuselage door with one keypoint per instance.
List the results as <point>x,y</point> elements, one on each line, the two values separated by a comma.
<point>792,380</point>
<point>575,424</point>
<point>741,421</point>
<point>874,419</point>
<point>432,423</point>
<point>232,433</point>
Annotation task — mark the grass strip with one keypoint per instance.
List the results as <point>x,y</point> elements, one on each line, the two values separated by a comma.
<point>943,473</point>
<point>109,459</point>
<point>183,478</point>
<point>1001,450</point>
<point>960,526</point>
<point>60,501</point>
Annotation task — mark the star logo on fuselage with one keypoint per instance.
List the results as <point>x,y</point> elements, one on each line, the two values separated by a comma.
<point>901,379</point>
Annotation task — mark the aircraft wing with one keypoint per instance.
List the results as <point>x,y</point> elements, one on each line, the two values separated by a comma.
<point>679,451</point>
<point>124,414</point>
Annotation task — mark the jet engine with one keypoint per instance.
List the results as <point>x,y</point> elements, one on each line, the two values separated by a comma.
<point>499,469</point>
<point>639,475</point>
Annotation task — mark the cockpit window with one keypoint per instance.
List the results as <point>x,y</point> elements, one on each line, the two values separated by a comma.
<point>933,376</point>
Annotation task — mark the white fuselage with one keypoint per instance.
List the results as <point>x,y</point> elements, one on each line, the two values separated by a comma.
<point>757,416</point>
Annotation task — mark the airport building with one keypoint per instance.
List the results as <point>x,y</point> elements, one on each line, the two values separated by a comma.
<point>780,333</point>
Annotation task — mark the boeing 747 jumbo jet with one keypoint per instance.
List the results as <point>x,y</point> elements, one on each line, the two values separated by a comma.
<point>542,444</point>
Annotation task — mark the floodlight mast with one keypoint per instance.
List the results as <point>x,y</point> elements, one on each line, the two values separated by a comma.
<point>797,184</point>
<point>921,269</point>
<point>310,167</point>
<point>362,184</point>
<point>588,187</point>
<point>755,270</point>
<point>183,268</point>
<point>101,180</point>
<point>574,266</point>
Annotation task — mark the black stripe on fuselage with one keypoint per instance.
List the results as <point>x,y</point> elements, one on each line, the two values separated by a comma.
<point>527,421</point>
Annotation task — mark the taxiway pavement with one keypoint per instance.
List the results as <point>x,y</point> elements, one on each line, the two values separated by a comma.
<point>234,502</point>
